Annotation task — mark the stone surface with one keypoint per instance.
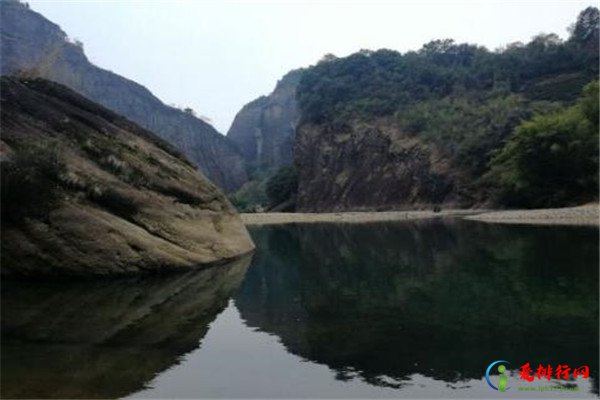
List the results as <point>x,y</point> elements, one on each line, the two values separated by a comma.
<point>369,166</point>
<point>32,46</point>
<point>126,200</point>
<point>264,129</point>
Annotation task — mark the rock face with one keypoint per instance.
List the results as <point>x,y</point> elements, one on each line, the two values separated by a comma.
<point>264,128</point>
<point>85,191</point>
<point>448,125</point>
<point>32,46</point>
<point>368,166</point>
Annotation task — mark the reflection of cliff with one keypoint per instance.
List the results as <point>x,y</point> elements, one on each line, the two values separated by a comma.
<point>434,298</point>
<point>105,338</point>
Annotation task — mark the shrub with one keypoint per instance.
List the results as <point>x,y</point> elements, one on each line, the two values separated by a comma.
<point>282,186</point>
<point>115,202</point>
<point>552,159</point>
<point>30,183</point>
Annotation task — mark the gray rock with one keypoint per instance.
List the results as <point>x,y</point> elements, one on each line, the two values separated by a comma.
<point>264,129</point>
<point>32,46</point>
<point>368,166</point>
<point>87,192</point>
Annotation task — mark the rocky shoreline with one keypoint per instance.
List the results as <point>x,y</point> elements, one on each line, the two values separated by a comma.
<point>586,215</point>
<point>347,217</point>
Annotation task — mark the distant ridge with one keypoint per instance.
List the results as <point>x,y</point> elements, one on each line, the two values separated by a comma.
<point>33,46</point>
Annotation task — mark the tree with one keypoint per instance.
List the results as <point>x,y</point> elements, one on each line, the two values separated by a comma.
<point>327,58</point>
<point>586,28</point>
<point>466,101</point>
<point>437,46</point>
<point>190,111</point>
<point>551,160</point>
<point>282,186</point>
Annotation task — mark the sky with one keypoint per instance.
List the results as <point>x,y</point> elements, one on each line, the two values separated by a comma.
<point>215,56</point>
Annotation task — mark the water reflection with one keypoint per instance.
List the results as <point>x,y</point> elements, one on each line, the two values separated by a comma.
<point>440,299</point>
<point>108,338</point>
<point>379,310</point>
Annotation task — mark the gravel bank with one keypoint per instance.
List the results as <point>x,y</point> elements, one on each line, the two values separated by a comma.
<point>583,215</point>
<point>347,217</point>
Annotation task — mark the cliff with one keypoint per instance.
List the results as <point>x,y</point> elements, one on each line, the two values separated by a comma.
<point>32,46</point>
<point>452,125</point>
<point>264,129</point>
<point>85,191</point>
<point>368,166</point>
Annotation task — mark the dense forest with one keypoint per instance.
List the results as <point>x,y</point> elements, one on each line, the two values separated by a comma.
<point>384,82</point>
<point>517,122</point>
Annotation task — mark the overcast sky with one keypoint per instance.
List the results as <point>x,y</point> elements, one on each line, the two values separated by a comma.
<point>216,56</point>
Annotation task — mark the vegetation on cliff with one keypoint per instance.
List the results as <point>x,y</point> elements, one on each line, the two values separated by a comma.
<point>369,84</point>
<point>268,191</point>
<point>282,186</point>
<point>34,170</point>
<point>264,131</point>
<point>457,104</point>
<point>551,159</point>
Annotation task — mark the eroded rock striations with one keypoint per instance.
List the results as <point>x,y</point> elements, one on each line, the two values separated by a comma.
<point>85,191</point>
<point>264,129</point>
<point>366,166</point>
<point>35,47</point>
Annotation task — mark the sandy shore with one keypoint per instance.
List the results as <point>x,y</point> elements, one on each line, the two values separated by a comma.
<point>347,217</point>
<point>583,215</point>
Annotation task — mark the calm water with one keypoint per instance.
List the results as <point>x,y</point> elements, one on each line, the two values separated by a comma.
<point>378,310</point>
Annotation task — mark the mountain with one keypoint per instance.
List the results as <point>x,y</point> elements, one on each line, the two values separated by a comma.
<point>264,128</point>
<point>385,130</point>
<point>32,46</point>
<point>450,124</point>
<point>87,192</point>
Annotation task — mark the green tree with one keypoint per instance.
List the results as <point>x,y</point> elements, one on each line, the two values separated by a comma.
<point>282,186</point>
<point>551,160</point>
<point>586,28</point>
<point>465,101</point>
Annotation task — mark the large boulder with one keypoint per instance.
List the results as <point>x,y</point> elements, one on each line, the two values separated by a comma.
<point>85,191</point>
